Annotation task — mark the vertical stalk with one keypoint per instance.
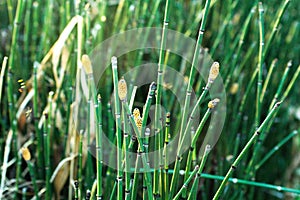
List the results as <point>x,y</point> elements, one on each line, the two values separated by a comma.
<point>122,89</point>
<point>36,127</point>
<point>118,129</point>
<point>214,72</point>
<point>80,174</point>
<point>99,147</point>
<point>165,156</point>
<point>189,92</point>
<point>260,64</point>
<point>47,133</point>
<point>157,122</point>
<point>10,87</point>
<point>27,157</point>
<point>76,188</point>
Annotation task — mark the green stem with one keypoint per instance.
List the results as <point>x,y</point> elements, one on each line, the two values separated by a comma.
<point>185,184</point>
<point>245,150</point>
<point>193,193</point>
<point>268,78</point>
<point>33,179</point>
<point>275,149</point>
<point>36,125</point>
<point>158,121</point>
<point>275,27</point>
<point>189,91</point>
<point>118,129</point>
<point>193,143</point>
<point>260,65</point>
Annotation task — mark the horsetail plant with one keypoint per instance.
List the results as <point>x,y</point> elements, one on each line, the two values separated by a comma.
<point>214,72</point>
<point>165,156</point>
<point>95,101</point>
<point>276,148</point>
<point>142,150</point>
<point>260,64</point>
<point>268,78</point>
<point>122,89</point>
<point>80,165</point>
<point>118,129</point>
<point>157,122</point>
<point>211,105</point>
<point>51,125</point>
<point>27,157</point>
<point>10,87</point>
<point>246,149</point>
<point>194,188</point>
<point>185,184</point>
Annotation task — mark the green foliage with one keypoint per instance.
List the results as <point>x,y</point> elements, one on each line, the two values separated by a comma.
<point>257,46</point>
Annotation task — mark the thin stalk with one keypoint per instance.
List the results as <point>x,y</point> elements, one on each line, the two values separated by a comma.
<point>113,191</point>
<point>238,49</point>
<point>10,87</point>
<point>122,89</point>
<point>194,188</point>
<point>185,185</point>
<point>92,103</point>
<point>268,78</point>
<point>214,71</point>
<point>27,157</point>
<point>189,89</point>
<point>47,22</point>
<point>245,150</point>
<point>165,156</point>
<point>4,63</point>
<point>136,176</point>
<point>146,146</point>
<point>10,11</point>
<point>146,166</point>
<point>267,129</point>
<point>99,147</point>
<point>281,84</point>
<point>118,129</point>
<point>263,136</point>
<point>32,175</point>
<point>211,106</point>
<point>80,165</point>
<point>193,145</point>
<point>275,27</point>
<point>276,148</point>
<point>260,64</point>
<point>27,30</point>
<point>36,124</point>
<point>158,121</point>
<point>247,182</point>
<point>47,132</point>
